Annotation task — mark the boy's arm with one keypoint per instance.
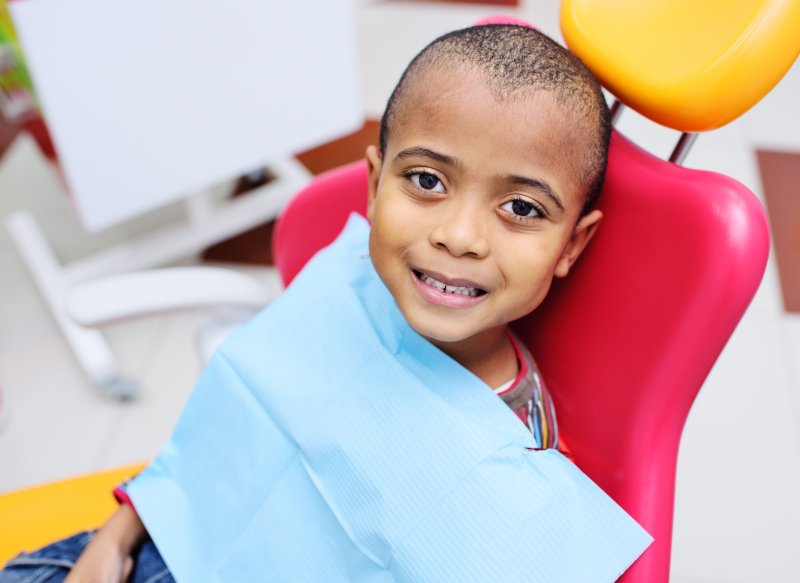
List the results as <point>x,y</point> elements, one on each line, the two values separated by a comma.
<point>108,557</point>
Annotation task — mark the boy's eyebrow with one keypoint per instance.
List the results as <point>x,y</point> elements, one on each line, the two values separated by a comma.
<point>419,151</point>
<point>539,185</point>
<point>426,153</point>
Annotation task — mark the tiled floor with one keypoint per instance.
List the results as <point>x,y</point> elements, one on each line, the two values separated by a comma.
<point>737,511</point>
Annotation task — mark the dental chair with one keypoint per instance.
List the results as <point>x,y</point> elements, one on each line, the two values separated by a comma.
<point>627,341</point>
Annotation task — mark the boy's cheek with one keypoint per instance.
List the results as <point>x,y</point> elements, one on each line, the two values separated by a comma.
<point>390,212</point>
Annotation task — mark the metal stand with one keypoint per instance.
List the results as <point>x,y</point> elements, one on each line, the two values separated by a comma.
<point>685,143</point>
<point>616,111</point>
<point>681,150</point>
<point>206,223</point>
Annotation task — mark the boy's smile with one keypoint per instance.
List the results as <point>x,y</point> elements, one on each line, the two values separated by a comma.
<point>439,289</point>
<point>474,207</point>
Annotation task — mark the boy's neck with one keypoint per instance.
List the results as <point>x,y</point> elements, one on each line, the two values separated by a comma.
<point>490,355</point>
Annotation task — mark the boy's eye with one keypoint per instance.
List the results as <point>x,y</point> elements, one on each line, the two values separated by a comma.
<point>522,208</point>
<point>427,181</point>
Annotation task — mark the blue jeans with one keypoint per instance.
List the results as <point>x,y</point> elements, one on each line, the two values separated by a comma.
<point>52,563</point>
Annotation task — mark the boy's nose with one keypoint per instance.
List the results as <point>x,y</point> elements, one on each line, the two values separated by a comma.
<point>461,232</point>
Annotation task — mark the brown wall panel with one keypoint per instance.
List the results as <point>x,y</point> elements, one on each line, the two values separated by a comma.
<point>780,176</point>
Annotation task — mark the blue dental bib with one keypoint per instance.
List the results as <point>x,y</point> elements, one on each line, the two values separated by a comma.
<point>326,441</point>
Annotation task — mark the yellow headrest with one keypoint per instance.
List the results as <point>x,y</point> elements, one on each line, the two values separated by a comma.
<point>691,65</point>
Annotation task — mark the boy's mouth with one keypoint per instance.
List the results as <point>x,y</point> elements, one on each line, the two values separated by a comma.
<point>456,287</point>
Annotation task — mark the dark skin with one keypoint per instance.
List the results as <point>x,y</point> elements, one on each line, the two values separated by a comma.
<point>108,557</point>
<point>474,189</point>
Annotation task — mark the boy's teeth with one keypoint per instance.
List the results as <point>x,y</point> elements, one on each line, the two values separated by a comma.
<point>451,289</point>
<point>434,282</point>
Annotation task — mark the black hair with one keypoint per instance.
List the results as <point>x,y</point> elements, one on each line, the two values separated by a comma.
<point>514,59</point>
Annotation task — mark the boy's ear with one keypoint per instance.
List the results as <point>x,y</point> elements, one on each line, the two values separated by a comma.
<point>374,165</point>
<point>581,235</point>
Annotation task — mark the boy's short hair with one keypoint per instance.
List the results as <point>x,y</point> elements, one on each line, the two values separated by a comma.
<point>515,59</point>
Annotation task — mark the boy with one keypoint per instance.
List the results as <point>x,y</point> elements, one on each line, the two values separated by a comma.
<point>492,152</point>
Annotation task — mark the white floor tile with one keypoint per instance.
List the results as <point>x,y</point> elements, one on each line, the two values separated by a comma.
<point>168,373</point>
<point>56,420</point>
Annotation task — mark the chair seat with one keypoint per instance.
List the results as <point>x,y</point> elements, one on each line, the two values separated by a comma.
<point>692,66</point>
<point>40,515</point>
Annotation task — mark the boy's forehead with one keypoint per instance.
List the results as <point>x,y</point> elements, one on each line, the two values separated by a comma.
<point>532,123</point>
<point>438,94</point>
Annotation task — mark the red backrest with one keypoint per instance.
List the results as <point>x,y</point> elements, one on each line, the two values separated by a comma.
<point>626,341</point>
<point>317,215</point>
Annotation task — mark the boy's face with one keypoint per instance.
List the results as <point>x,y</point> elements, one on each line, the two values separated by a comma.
<point>480,196</point>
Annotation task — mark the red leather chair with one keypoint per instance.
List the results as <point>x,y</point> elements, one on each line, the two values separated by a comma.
<point>626,341</point>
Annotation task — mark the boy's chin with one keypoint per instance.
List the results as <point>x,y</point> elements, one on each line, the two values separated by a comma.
<point>443,340</point>
<point>442,336</point>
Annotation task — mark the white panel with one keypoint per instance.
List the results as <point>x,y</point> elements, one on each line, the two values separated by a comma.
<point>737,513</point>
<point>149,100</point>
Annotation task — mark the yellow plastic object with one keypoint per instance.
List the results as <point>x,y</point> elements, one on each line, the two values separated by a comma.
<point>36,516</point>
<point>687,64</point>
